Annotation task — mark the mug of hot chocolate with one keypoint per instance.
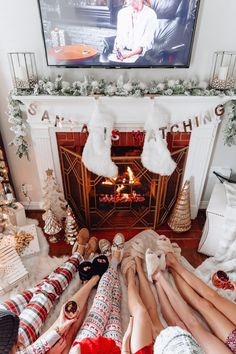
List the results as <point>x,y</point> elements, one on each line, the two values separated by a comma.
<point>71,309</point>
<point>220,280</point>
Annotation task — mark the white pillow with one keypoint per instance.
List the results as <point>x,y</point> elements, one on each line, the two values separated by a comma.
<point>230,190</point>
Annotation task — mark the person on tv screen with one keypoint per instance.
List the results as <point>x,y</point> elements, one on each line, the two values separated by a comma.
<point>136,25</point>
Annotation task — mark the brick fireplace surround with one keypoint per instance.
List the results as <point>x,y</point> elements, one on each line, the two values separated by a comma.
<point>100,211</point>
<point>129,114</point>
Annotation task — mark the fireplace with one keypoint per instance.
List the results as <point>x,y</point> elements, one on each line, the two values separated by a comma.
<point>130,113</point>
<point>136,198</point>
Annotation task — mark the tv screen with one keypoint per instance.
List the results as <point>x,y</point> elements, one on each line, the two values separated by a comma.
<point>118,33</point>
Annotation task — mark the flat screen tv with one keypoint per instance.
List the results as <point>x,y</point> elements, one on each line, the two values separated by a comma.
<point>118,33</point>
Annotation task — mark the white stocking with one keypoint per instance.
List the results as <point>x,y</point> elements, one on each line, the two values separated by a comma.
<point>156,156</point>
<point>96,155</point>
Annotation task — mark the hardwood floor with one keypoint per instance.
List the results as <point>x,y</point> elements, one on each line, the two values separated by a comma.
<point>188,241</point>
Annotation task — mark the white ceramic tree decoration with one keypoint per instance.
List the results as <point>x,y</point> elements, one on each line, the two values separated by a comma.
<point>53,197</point>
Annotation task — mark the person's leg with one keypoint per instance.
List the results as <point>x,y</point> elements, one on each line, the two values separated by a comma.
<point>209,343</point>
<point>219,324</point>
<point>96,320</point>
<point>227,307</point>
<point>168,312</point>
<point>148,298</point>
<point>113,327</point>
<point>45,294</point>
<point>63,346</point>
<point>18,302</point>
<point>142,325</point>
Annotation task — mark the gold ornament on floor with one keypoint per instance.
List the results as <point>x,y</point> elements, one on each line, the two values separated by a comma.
<point>180,218</point>
<point>22,240</point>
<point>52,226</point>
<point>71,227</point>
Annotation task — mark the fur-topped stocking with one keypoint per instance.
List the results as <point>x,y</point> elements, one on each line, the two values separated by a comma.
<point>97,151</point>
<point>156,156</point>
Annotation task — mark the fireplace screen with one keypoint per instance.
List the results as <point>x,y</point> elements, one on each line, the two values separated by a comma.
<point>136,198</point>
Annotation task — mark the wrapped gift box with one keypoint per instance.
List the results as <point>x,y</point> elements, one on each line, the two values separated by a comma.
<point>12,269</point>
<point>33,246</point>
<point>17,215</point>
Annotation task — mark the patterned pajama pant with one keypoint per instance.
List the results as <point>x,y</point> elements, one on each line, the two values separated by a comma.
<point>33,305</point>
<point>104,317</point>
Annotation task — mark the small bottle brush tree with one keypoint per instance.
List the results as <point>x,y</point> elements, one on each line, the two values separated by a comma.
<point>52,226</point>
<point>71,226</point>
<point>53,197</point>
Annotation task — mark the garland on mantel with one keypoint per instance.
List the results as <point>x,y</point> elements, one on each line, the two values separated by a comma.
<point>91,87</point>
<point>19,126</point>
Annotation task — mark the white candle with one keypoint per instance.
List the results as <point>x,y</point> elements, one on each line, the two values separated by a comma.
<point>223,71</point>
<point>22,73</point>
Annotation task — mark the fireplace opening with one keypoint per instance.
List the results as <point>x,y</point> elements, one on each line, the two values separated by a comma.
<point>136,198</point>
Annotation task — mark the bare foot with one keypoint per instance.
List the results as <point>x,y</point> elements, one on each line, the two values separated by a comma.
<point>170,260</point>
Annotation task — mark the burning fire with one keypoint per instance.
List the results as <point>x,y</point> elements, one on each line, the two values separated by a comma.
<point>109,181</point>
<point>131,175</point>
<point>119,188</point>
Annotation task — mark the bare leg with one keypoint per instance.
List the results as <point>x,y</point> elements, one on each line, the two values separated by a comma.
<point>228,308</point>
<point>81,298</point>
<point>219,324</point>
<point>168,312</point>
<point>148,298</point>
<point>209,343</point>
<point>142,325</point>
<point>127,337</point>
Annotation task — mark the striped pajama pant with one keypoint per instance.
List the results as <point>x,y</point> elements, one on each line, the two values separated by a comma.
<point>33,305</point>
<point>104,318</point>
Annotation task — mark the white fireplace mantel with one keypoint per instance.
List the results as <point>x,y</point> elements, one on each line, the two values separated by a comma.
<point>130,113</point>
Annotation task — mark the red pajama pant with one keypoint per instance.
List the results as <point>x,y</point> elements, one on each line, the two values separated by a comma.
<point>33,305</point>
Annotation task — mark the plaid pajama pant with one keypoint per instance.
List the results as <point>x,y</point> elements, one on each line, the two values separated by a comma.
<point>104,318</point>
<point>33,305</point>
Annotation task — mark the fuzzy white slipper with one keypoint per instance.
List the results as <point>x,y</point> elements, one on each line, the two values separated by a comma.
<point>105,247</point>
<point>118,244</point>
<point>163,244</point>
<point>155,261</point>
<point>176,249</point>
<point>137,248</point>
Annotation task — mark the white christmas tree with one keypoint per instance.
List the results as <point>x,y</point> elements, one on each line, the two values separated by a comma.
<point>52,226</point>
<point>53,196</point>
<point>71,227</point>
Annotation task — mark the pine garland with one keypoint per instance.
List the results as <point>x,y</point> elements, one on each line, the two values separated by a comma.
<point>19,127</point>
<point>230,129</point>
<point>91,87</point>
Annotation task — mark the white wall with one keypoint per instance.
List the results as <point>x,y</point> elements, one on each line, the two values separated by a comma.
<point>20,30</point>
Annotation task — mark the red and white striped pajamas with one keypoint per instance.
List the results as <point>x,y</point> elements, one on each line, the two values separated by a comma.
<point>32,306</point>
<point>104,318</point>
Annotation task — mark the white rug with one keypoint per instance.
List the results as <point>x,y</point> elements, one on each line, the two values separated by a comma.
<point>225,257</point>
<point>41,265</point>
<point>212,265</point>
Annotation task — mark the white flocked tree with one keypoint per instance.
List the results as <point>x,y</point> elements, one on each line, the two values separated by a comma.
<point>53,197</point>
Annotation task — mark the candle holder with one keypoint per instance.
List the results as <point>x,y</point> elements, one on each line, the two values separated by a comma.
<point>223,70</point>
<point>23,70</point>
